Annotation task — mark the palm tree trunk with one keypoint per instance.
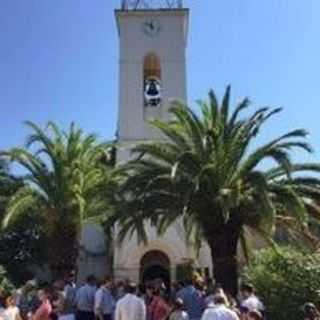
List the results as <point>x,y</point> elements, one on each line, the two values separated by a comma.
<point>63,253</point>
<point>110,251</point>
<point>223,245</point>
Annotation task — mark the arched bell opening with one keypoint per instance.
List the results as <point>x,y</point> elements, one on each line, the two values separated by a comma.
<point>152,85</point>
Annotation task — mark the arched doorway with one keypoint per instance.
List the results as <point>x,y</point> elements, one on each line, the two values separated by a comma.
<point>155,265</point>
<point>152,80</point>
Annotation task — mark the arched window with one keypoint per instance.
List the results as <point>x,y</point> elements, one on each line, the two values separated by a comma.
<point>152,80</point>
<point>151,66</point>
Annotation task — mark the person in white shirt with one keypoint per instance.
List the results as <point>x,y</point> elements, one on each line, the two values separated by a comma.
<point>217,290</point>
<point>104,304</point>
<point>219,310</point>
<point>178,312</point>
<point>2,316</point>
<point>85,300</point>
<point>2,304</point>
<point>130,307</point>
<point>12,311</point>
<point>250,300</point>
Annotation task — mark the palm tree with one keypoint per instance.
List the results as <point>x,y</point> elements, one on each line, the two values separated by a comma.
<point>207,174</point>
<point>8,185</point>
<point>4,176</point>
<point>64,181</point>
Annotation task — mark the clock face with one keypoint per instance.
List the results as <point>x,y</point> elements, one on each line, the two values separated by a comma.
<point>151,27</point>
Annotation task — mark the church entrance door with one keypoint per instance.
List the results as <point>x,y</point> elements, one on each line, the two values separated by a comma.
<point>155,265</point>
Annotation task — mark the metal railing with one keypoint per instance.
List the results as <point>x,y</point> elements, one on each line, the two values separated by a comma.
<point>151,4</point>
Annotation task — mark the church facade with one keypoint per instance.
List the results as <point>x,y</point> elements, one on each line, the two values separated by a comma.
<point>153,38</point>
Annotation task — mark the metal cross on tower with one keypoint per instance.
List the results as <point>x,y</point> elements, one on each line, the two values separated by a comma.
<point>151,4</point>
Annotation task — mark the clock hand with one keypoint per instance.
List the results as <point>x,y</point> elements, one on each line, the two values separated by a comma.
<point>150,25</point>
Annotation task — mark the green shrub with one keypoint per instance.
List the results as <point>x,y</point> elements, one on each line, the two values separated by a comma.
<point>6,285</point>
<point>22,245</point>
<point>285,281</point>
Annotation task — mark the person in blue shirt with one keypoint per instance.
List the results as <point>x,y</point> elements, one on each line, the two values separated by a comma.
<point>104,301</point>
<point>192,299</point>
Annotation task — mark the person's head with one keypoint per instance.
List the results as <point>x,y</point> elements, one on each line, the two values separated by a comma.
<point>218,291</point>
<point>44,294</point>
<point>188,282</point>
<point>71,277</point>
<point>29,286</point>
<point>91,280</point>
<point>310,311</point>
<point>141,289</point>
<point>247,290</point>
<point>243,312</point>
<point>180,285</point>
<point>157,292</point>
<point>108,283</point>
<point>149,290</point>
<point>131,288</point>
<point>199,284</point>
<point>254,315</point>
<point>2,297</point>
<point>178,304</point>
<point>58,285</point>
<point>220,299</point>
<point>197,280</point>
<point>232,302</point>
<point>10,301</point>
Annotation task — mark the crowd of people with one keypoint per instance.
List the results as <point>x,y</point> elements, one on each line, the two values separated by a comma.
<point>124,300</point>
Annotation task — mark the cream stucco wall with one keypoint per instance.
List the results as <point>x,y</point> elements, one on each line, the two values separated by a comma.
<point>93,253</point>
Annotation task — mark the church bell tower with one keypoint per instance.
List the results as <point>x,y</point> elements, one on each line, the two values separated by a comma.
<point>152,63</point>
<point>152,71</point>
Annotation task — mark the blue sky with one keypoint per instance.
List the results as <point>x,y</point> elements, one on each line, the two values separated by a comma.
<point>59,59</point>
